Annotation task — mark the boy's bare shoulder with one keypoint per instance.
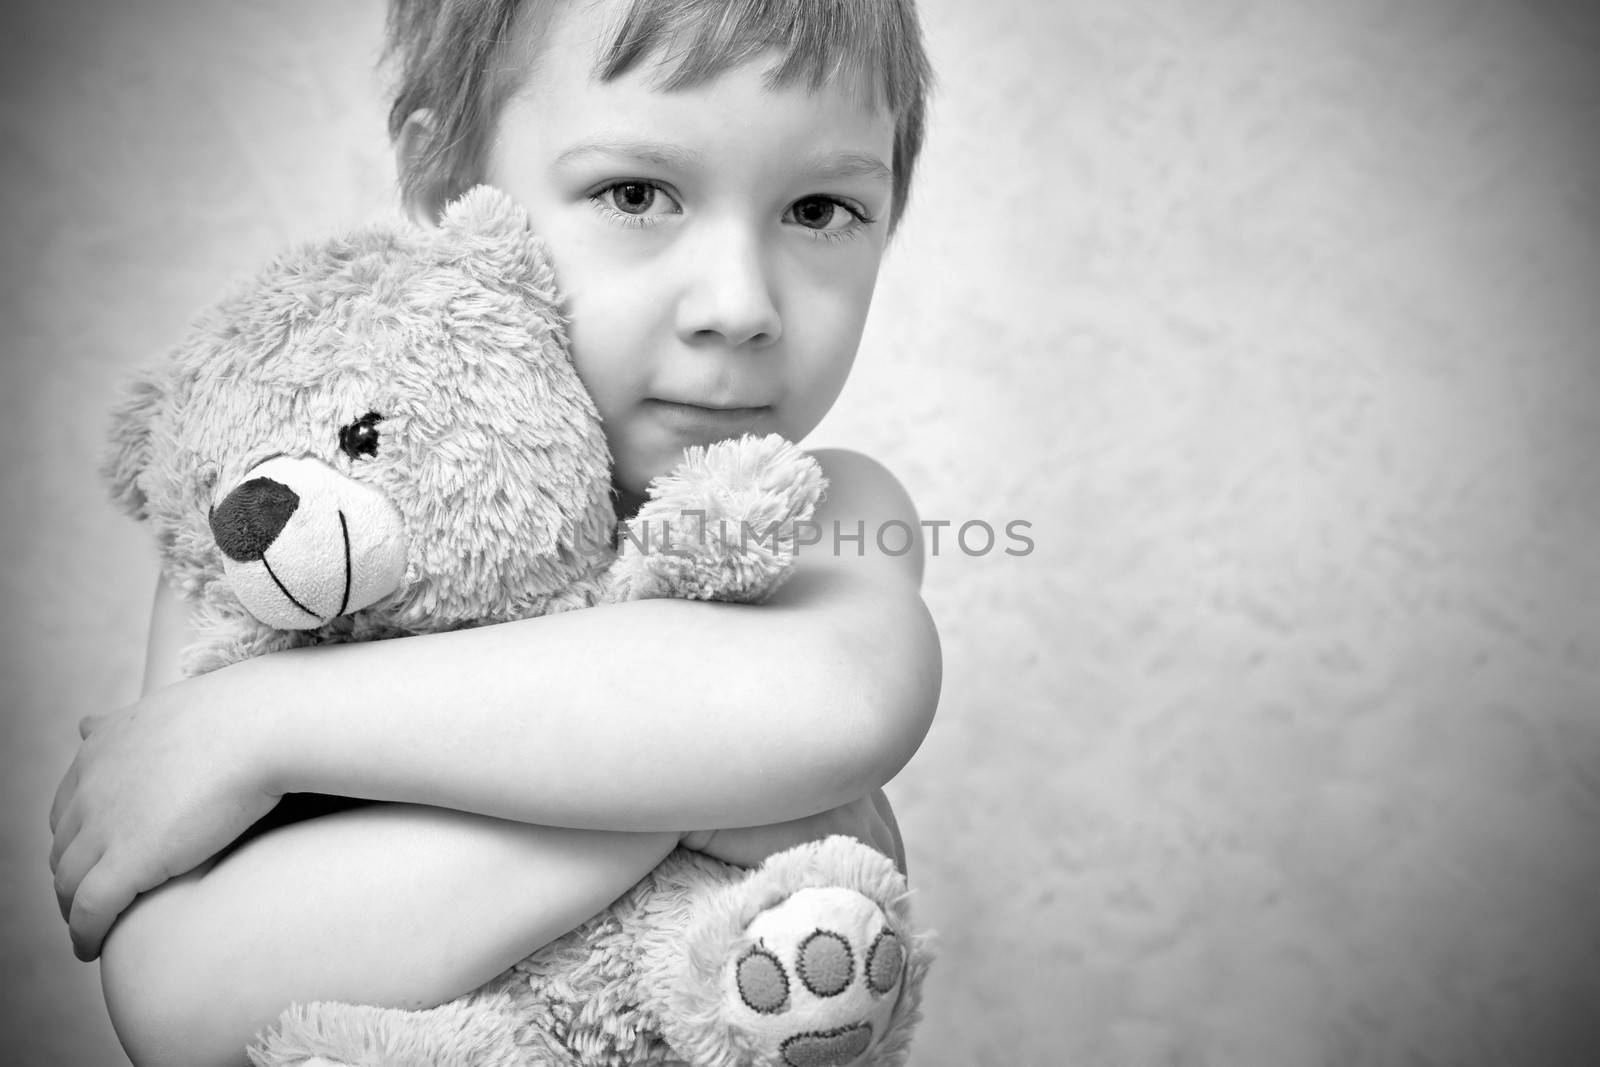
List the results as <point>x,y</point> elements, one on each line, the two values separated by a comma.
<point>865,485</point>
<point>864,499</point>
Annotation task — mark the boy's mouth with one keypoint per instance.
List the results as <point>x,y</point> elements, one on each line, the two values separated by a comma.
<point>706,420</point>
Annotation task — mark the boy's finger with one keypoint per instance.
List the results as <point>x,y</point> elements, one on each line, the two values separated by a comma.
<point>75,862</point>
<point>64,791</point>
<point>95,907</point>
<point>66,832</point>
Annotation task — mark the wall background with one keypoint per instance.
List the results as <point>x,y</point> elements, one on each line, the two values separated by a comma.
<point>1276,320</point>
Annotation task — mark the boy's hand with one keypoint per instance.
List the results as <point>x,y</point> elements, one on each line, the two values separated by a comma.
<point>869,820</point>
<point>155,790</point>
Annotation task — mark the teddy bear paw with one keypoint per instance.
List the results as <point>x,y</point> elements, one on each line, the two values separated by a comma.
<point>818,982</point>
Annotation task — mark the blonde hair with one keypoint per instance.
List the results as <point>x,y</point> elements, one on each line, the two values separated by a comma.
<point>447,55</point>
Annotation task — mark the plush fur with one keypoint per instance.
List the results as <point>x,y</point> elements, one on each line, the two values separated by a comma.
<point>383,435</point>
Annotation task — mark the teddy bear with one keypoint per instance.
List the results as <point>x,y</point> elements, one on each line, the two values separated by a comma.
<point>382,434</point>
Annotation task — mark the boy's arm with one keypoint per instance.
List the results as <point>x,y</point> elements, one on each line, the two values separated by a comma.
<point>724,715</point>
<point>390,904</point>
<point>649,715</point>
<point>171,630</point>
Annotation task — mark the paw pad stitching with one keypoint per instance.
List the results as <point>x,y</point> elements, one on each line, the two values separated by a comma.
<point>826,964</point>
<point>827,1048</point>
<point>885,960</point>
<point>762,982</point>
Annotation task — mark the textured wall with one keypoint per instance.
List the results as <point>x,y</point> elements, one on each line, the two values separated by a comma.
<point>1277,320</point>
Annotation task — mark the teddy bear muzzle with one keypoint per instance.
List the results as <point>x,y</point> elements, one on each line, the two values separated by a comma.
<point>303,544</point>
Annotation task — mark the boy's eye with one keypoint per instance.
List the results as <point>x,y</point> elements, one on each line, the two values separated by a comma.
<point>824,214</point>
<point>636,198</point>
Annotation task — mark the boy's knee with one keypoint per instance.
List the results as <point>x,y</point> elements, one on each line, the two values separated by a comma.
<point>157,1008</point>
<point>136,1005</point>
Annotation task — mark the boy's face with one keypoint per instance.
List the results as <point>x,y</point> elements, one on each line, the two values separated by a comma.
<point>710,241</point>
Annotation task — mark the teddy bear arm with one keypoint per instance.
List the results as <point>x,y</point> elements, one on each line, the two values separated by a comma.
<point>809,958</point>
<point>722,525</point>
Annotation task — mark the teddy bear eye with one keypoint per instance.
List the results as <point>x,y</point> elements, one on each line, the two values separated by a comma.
<point>360,438</point>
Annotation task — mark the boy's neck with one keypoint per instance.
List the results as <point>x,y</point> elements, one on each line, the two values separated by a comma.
<point>626,503</point>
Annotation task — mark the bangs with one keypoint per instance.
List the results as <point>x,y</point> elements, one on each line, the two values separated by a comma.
<point>452,64</point>
<point>873,46</point>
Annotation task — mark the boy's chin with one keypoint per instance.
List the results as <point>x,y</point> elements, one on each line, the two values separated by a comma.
<point>631,476</point>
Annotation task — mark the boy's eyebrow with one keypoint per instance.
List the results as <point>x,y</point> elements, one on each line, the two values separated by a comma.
<point>662,155</point>
<point>821,165</point>
<point>847,165</point>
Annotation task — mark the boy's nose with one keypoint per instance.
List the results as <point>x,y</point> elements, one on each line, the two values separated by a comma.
<point>730,294</point>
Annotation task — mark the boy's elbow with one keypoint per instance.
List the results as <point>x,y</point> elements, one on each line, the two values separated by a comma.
<point>895,680</point>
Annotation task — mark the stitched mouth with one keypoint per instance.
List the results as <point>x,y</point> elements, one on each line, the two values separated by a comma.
<point>344,601</point>
<point>344,531</point>
<point>290,597</point>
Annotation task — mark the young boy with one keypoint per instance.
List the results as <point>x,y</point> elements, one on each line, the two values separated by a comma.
<point>716,182</point>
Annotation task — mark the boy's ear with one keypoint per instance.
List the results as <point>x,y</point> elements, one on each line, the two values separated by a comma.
<point>422,186</point>
<point>127,455</point>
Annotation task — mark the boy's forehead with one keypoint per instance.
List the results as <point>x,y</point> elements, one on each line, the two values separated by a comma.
<point>565,42</point>
<point>573,108</point>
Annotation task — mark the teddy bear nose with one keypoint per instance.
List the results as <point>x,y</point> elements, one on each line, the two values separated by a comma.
<point>250,518</point>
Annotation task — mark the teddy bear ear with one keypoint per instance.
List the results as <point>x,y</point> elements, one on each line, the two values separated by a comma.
<point>127,455</point>
<point>496,227</point>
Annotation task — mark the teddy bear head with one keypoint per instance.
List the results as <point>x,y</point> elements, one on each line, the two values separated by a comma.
<point>380,433</point>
